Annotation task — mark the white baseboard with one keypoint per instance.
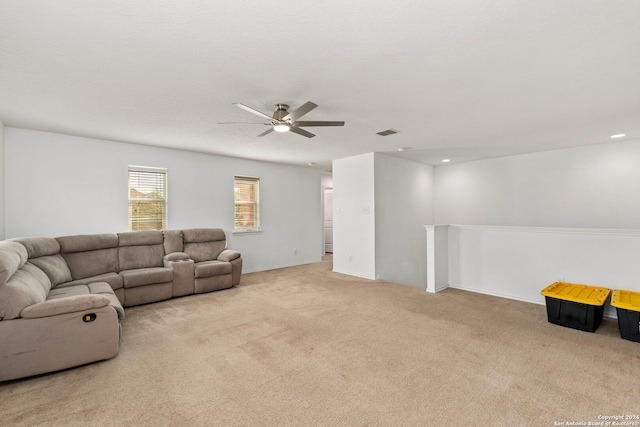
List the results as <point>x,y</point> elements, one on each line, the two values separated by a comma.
<point>496,294</point>
<point>354,275</point>
<point>609,314</point>
<point>440,289</point>
<point>276,267</point>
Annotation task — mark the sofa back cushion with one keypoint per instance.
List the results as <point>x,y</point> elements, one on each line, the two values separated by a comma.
<point>173,241</point>
<point>140,249</point>
<point>13,255</point>
<point>40,246</point>
<point>28,285</point>
<point>204,244</point>
<point>90,255</point>
<point>55,267</point>
<point>44,253</point>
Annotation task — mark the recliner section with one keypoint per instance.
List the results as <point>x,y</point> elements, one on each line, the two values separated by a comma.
<point>62,299</point>
<point>144,276</point>
<point>213,262</point>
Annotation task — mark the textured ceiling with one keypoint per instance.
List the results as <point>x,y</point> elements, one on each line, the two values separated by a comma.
<point>460,79</point>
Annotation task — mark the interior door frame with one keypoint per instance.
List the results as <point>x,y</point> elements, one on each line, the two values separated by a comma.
<point>324,244</point>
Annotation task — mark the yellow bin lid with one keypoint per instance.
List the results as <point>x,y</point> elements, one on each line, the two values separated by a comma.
<point>626,299</point>
<point>584,294</point>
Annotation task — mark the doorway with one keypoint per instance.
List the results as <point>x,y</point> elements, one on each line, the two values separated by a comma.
<point>328,220</point>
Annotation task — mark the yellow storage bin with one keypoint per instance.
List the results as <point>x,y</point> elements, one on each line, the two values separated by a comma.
<point>575,305</point>
<point>627,304</point>
<point>582,294</point>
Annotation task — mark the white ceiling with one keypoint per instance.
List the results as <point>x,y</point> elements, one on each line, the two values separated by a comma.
<point>460,79</point>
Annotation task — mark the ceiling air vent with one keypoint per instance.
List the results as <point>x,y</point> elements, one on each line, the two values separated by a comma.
<point>387,132</point>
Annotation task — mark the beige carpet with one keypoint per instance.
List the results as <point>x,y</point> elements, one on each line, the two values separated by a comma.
<point>304,346</point>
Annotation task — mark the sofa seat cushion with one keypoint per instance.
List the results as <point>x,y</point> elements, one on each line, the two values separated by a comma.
<point>212,268</point>
<point>113,279</point>
<point>97,288</point>
<point>146,276</point>
<point>104,289</point>
<point>69,291</point>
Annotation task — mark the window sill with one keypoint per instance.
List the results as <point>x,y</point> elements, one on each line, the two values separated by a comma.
<point>241,231</point>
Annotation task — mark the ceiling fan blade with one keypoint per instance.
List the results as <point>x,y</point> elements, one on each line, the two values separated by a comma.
<point>300,111</point>
<point>251,110</point>
<point>301,132</point>
<point>243,123</point>
<point>319,123</point>
<point>266,132</point>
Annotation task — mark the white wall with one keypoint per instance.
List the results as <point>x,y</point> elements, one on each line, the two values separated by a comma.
<point>2,179</point>
<point>403,205</point>
<point>61,185</point>
<point>518,262</point>
<point>595,186</point>
<point>381,204</point>
<point>354,216</point>
<point>526,221</point>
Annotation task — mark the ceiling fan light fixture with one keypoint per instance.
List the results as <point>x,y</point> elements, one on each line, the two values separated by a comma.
<point>285,121</point>
<point>281,127</point>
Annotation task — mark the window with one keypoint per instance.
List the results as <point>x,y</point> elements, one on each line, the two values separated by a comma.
<point>246,190</point>
<point>147,198</point>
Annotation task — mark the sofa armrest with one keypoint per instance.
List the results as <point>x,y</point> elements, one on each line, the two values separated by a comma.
<point>175,256</point>
<point>71,304</point>
<point>228,255</point>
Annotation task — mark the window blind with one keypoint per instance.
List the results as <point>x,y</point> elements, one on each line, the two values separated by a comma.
<point>147,198</point>
<point>246,191</point>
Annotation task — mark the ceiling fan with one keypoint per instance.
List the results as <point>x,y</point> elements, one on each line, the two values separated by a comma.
<point>285,121</point>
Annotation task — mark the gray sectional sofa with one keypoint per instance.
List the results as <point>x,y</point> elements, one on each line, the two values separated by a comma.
<point>62,299</point>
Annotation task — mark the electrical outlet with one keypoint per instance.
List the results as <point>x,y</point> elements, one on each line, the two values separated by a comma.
<point>350,257</point>
<point>295,251</point>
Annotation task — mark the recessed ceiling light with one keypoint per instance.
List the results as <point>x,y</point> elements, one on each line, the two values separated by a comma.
<point>310,164</point>
<point>446,160</point>
<point>404,148</point>
<point>619,135</point>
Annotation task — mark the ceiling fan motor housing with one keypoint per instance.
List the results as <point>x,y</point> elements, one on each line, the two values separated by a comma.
<point>281,111</point>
